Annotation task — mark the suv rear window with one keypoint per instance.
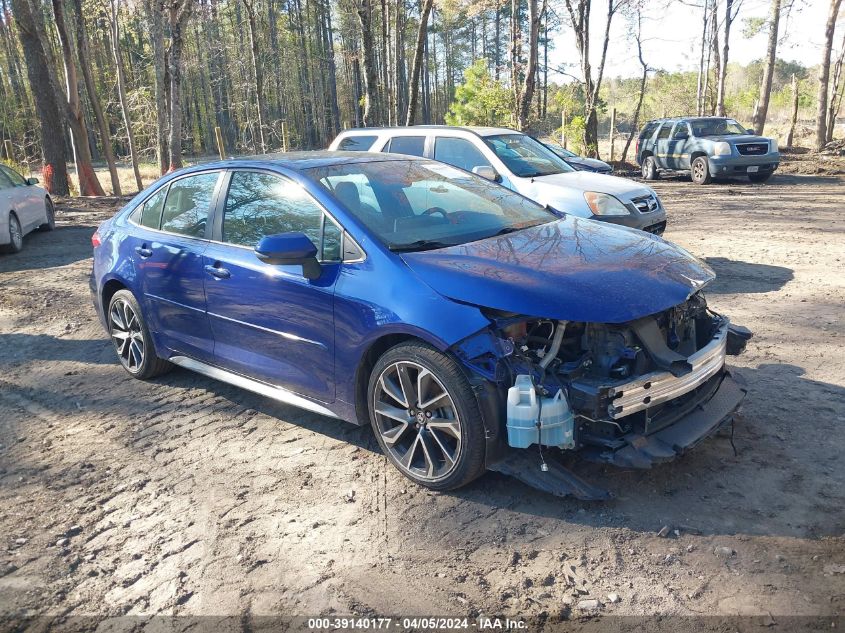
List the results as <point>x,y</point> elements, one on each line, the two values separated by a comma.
<point>356,143</point>
<point>411,145</point>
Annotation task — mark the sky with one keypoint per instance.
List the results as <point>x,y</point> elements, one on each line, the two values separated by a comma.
<point>672,37</point>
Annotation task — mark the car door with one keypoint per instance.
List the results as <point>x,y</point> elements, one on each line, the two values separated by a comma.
<point>678,157</point>
<point>26,201</point>
<point>167,248</point>
<point>269,322</point>
<point>661,145</point>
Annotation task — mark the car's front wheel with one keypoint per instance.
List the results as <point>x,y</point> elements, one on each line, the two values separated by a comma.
<point>700,169</point>
<point>15,236</point>
<point>759,177</point>
<point>131,338</point>
<point>649,168</point>
<point>425,417</point>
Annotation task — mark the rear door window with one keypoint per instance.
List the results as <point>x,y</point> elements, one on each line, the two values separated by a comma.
<point>150,213</point>
<point>411,145</point>
<point>188,203</point>
<point>665,131</point>
<point>356,143</point>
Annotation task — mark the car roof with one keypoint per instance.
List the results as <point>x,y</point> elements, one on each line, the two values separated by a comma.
<point>299,161</point>
<point>474,129</point>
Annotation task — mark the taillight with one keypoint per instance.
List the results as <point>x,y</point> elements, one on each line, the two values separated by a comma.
<point>95,239</point>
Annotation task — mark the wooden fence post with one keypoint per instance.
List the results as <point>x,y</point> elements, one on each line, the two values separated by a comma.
<point>612,131</point>
<point>10,151</point>
<point>221,148</point>
<point>563,127</point>
<point>284,136</point>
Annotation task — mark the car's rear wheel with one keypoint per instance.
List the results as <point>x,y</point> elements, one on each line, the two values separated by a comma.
<point>649,168</point>
<point>700,169</point>
<point>759,177</point>
<point>425,417</point>
<point>131,338</point>
<point>15,236</point>
<point>50,224</point>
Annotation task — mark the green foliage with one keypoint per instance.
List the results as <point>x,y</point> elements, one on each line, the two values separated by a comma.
<point>753,26</point>
<point>481,100</point>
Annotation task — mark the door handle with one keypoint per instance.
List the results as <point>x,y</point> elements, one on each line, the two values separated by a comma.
<point>219,273</point>
<point>143,251</point>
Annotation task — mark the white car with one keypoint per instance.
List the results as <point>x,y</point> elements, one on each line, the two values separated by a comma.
<point>522,164</point>
<point>24,207</point>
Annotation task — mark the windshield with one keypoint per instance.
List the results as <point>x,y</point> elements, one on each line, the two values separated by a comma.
<point>716,127</point>
<point>526,157</point>
<point>420,205</point>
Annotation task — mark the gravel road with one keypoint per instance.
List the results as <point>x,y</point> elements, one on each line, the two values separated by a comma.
<point>184,496</point>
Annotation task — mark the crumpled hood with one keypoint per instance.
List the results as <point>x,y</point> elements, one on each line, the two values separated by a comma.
<point>589,181</point>
<point>572,269</point>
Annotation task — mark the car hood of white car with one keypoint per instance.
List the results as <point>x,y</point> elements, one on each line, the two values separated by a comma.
<point>622,188</point>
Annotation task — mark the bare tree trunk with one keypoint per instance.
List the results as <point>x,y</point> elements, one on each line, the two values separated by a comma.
<point>257,72</point>
<point>638,37</point>
<point>178,13</point>
<point>54,170</point>
<point>723,69</point>
<point>714,47</point>
<point>794,118</point>
<point>824,75</point>
<point>422,32</point>
<point>497,45</point>
<point>121,90</point>
<point>766,85</point>
<point>88,183</point>
<point>156,18</point>
<point>527,92</point>
<point>699,91</point>
<point>84,56</point>
<point>371,107</point>
<point>515,48</point>
<point>835,93</point>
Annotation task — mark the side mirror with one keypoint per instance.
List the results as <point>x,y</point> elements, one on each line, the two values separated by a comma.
<point>290,249</point>
<point>32,181</point>
<point>486,171</point>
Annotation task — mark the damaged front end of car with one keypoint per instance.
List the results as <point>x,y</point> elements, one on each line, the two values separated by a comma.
<point>631,394</point>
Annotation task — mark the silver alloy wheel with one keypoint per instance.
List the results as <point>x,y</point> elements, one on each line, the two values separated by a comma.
<point>417,420</point>
<point>646,168</point>
<point>698,170</point>
<point>15,233</point>
<point>126,334</point>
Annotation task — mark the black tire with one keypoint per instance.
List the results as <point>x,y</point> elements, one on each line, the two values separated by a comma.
<point>759,177</point>
<point>15,244</point>
<point>50,224</point>
<point>649,168</point>
<point>452,460</point>
<point>700,171</point>
<point>131,338</point>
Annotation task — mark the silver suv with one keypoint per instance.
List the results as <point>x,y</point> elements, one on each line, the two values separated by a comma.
<point>522,164</point>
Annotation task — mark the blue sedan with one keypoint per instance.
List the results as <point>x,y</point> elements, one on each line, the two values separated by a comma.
<point>461,320</point>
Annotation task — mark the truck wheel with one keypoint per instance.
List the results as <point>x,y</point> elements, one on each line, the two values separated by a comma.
<point>759,177</point>
<point>650,168</point>
<point>701,171</point>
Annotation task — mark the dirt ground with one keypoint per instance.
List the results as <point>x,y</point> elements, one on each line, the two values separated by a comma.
<point>184,496</point>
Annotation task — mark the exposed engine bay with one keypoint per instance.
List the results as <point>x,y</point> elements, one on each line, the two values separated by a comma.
<point>620,381</point>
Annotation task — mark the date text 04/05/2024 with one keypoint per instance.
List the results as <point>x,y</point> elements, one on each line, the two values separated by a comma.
<point>417,623</point>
